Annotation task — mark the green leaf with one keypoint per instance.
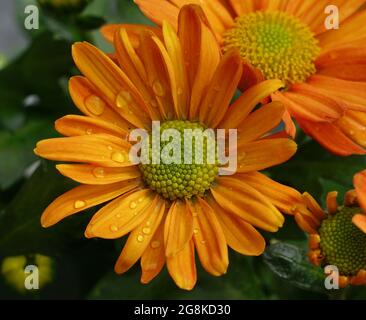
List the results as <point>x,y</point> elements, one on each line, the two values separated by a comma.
<point>240,282</point>
<point>16,149</point>
<point>291,263</point>
<point>89,22</point>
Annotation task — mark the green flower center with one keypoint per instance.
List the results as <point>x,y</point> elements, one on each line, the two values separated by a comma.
<point>276,43</point>
<point>195,164</point>
<point>342,243</point>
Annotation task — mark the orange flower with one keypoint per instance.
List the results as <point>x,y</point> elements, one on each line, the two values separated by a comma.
<point>324,70</point>
<point>169,211</point>
<point>337,237</point>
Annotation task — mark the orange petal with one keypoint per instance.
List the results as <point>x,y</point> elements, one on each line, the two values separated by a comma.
<point>178,228</point>
<point>122,215</point>
<point>350,198</point>
<point>109,30</point>
<point>242,7</point>
<point>331,137</point>
<point>290,127</point>
<point>158,11</point>
<point>262,154</point>
<point>247,102</point>
<point>352,93</point>
<point>360,221</point>
<point>221,89</point>
<point>131,63</point>
<point>153,258</point>
<point>91,174</point>
<point>100,149</point>
<point>81,198</point>
<point>304,224</point>
<point>112,83</point>
<point>182,267</point>
<point>161,76</point>
<point>351,30</point>
<point>313,206</point>
<point>359,181</point>
<point>283,197</point>
<point>260,122</point>
<point>332,204</point>
<point>209,238</point>
<point>311,104</point>
<point>240,235</point>
<point>91,104</point>
<point>75,125</point>
<point>201,53</point>
<point>353,125</point>
<point>140,238</point>
<point>237,197</point>
<point>175,52</point>
<point>250,77</point>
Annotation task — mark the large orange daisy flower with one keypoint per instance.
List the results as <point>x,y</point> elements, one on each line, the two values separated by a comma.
<point>324,70</point>
<point>169,211</point>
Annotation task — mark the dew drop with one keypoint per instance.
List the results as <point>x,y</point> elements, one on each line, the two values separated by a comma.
<point>123,99</point>
<point>99,172</point>
<point>195,231</point>
<point>148,223</point>
<point>113,228</point>
<point>118,157</point>
<point>155,244</point>
<point>140,200</point>
<point>89,131</point>
<point>110,148</point>
<point>146,230</point>
<point>153,103</point>
<point>158,88</point>
<point>79,204</point>
<point>95,105</point>
<point>140,238</point>
<point>133,204</point>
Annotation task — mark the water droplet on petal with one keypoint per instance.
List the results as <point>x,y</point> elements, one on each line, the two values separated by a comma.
<point>155,244</point>
<point>148,223</point>
<point>110,148</point>
<point>118,157</point>
<point>140,238</point>
<point>140,200</point>
<point>158,88</point>
<point>99,172</point>
<point>195,231</point>
<point>95,105</point>
<point>79,204</point>
<point>146,230</point>
<point>154,103</point>
<point>123,99</point>
<point>133,204</point>
<point>89,131</point>
<point>113,228</point>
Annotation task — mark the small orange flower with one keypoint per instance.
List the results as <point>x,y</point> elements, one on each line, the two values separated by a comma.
<point>336,237</point>
<point>324,70</point>
<point>169,211</point>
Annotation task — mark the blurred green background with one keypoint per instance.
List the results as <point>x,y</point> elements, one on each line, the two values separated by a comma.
<point>35,66</point>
